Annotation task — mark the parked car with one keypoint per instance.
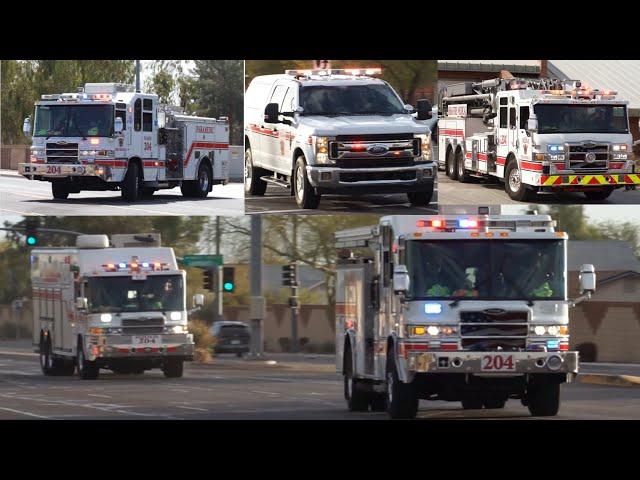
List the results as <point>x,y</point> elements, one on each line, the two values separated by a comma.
<point>231,337</point>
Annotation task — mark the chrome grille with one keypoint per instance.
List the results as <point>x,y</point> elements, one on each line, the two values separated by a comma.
<point>142,326</point>
<point>62,152</point>
<point>587,157</point>
<point>494,329</point>
<point>378,150</point>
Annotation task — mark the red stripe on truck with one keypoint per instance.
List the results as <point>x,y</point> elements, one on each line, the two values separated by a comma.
<point>212,145</point>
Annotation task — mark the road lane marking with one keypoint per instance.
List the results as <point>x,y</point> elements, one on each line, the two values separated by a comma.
<point>193,408</point>
<point>98,395</point>
<point>28,214</point>
<point>29,414</point>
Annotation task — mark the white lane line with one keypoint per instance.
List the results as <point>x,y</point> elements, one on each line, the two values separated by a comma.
<point>29,414</point>
<point>266,393</point>
<point>193,408</point>
<point>22,213</point>
<point>98,395</point>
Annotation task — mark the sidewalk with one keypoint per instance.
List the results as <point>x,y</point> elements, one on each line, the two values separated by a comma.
<point>9,173</point>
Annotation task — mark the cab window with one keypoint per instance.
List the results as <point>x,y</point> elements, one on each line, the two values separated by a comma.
<point>278,95</point>
<point>288,103</point>
<point>137,115</point>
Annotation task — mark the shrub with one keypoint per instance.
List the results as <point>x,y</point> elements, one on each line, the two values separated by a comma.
<point>203,339</point>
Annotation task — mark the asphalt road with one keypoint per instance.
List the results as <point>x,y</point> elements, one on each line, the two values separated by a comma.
<point>240,389</point>
<point>278,200</point>
<point>19,196</point>
<point>491,192</point>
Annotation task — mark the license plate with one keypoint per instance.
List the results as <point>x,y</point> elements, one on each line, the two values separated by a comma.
<point>147,340</point>
<point>498,363</point>
<point>235,342</point>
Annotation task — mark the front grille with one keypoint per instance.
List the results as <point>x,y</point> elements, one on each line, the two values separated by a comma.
<point>379,137</point>
<point>347,177</point>
<point>379,147</point>
<point>142,326</point>
<point>62,152</point>
<point>374,162</point>
<point>494,330</point>
<point>142,330</point>
<point>578,157</point>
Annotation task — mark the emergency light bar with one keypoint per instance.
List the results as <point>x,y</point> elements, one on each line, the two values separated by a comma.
<point>462,223</point>
<point>325,72</point>
<point>135,266</point>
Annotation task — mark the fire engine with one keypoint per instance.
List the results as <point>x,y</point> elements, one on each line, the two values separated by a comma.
<point>118,306</point>
<point>336,131</point>
<point>469,308</point>
<point>108,136</point>
<point>537,135</point>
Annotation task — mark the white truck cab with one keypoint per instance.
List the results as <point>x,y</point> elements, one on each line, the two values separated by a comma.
<point>335,131</point>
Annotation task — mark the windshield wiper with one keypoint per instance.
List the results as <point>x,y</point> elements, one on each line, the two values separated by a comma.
<point>518,289</point>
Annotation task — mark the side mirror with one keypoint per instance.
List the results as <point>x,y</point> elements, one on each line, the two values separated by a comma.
<point>26,127</point>
<point>587,279</point>
<point>271,113</point>
<point>424,109</point>
<point>82,303</point>
<point>118,126</point>
<point>198,300</point>
<point>532,124</point>
<point>400,279</point>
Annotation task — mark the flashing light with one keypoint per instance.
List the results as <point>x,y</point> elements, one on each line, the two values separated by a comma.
<point>430,223</point>
<point>617,148</point>
<point>105,318</point>
<point>179,329</point>
<point>133,265</point>
<point>432,308</point>
<point>419,330</point>
<point>110,266</point>
<point>145,264</point>
<point>555,148</point>
<point>467,223</point>
<point>122,265</point>
<point>157,265</point>
<point>433,330</point>
<point>553,344</point>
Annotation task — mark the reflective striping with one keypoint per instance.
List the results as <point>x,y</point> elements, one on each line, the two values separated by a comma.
<point>263,131</point>
<point>555,180</point>
<point>536,167</point>
<point>452,132</point>
<point>209,145</point>
<point>501,160</point>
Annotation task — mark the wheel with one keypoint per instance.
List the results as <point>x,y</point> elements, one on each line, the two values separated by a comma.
<point>471,404</point>
<point>59,190</point>
<point>86,369</point>
<point>378,403</point>
<point>46,358</point>
<point>402,398</point>
<point>513,183</point>
<point>305,196</point>
<point>544,400</point>
<point>450,166</point>
<point>148,191</point>
<point>357,400</point>
<point>253,183</point>
<point>131,184</point>
<point>422,198</point>
<point>202,185</point>
<point>463,176</point>
<point>494,403</point>
<point>173,368</point>
<point>600,194</point>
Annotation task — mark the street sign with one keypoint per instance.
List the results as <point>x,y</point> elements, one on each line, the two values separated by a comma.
<point>202,260</point>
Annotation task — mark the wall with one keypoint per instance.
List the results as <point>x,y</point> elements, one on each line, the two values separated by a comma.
<point>11,155</point>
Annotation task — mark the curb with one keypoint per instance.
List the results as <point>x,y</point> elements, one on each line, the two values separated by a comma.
<point>9,173</point>
<point>609,380</point>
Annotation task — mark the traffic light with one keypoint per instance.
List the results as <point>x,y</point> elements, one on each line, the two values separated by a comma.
<point>31,232</point>
<point>207,282</point>
<point>289,275</point>
<point>228,281</point>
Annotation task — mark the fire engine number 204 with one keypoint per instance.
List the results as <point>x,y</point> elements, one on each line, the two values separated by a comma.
<point>497,363</point>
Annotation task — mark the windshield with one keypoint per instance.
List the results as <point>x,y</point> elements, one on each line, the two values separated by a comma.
<point>73,121</point>
<point>377,99</point>
<point>553,118</point>
<point>494,270</point>
<point>122,294</point>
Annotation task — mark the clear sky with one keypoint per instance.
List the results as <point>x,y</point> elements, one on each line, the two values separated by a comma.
<point>596,213</point>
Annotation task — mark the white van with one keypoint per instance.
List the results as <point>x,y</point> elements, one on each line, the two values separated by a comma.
<point>335,131</point>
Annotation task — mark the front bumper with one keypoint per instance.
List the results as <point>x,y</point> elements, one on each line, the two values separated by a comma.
<point>590,181</point>
<point>62,170</point>
<point>471,362</point>
<point>122,346</point>
<point>376,180</point>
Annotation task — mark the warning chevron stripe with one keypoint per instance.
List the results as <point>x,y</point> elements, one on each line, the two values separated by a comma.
<point>559,180</point>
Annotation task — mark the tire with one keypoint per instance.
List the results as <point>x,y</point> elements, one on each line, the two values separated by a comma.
<point>463,176</point>
<point>305,196</point>
<point>131,183</point>
<point>450,166</point>
<point>202,186</point>
<point>513,183</point>
<point>494,403</point>
<point>402,398</point>
<point>472,404</point>
<point>599,195</point>
<point>357,399</point>
<point>86,369</point>
<point>46,357</point>
<point>422,198</point>
<point>378,403</point>
<point>253,183</point>
<point>59,190</point>
<point>544,400</point>
<point>173,368</point>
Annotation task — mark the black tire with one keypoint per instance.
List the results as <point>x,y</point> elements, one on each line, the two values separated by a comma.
<point>253,183</point>
<point>202,186</point>
<point>148,191</point>
<point>544,400</point>
<point>513,184</point>
<point>86,369</point>
<point>357,399</point>
<point>402,398</point>
<point>471,404</point>
<point>463,176</point>
<point>422,198</point>
<point>599,195</point>
<point>378,403</point>
<point>450,166</point>
<point>494,403</point>
<point>46,357</point>
<point>303,191</point>
<point>173,368</point>
<point>130,185</point>
<point>59,190</point>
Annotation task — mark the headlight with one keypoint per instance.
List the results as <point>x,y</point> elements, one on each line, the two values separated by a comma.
<point>175,316</point>
<point>620,147</point>
<point>37,151</point>
<point>179,329</point>
<point>552,330</point>
<point>105,318</point>
<point>425,142</point>
<point>322,150</point>
<point>432,330</point>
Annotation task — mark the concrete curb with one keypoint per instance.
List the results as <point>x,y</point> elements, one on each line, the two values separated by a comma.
<point>609,380</point>
<point>9,173</point>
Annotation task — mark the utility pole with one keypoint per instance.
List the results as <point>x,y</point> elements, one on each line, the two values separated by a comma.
<point>257,305</point>
<point>217,307</point>
<point>137,76</point>
<point>293,300</point>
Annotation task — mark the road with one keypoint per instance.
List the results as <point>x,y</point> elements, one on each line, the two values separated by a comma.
<point>488,192</point>
<point>19,196</point>
<point>240,389</point>
<point>278,200</point>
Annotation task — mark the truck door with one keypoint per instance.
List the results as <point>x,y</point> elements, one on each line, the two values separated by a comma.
<point>271,132</point>
<point>121,148</point>
<point>287,129</point>
<point>513,129</point>
<point>524,142</point>
<point>136,133</point>
<point>58,319</point>
<point>150,146</point>
<point>503,131</point>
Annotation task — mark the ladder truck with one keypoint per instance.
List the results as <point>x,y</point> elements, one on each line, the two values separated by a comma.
<point>461,308</point>
<point>536,136</point>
